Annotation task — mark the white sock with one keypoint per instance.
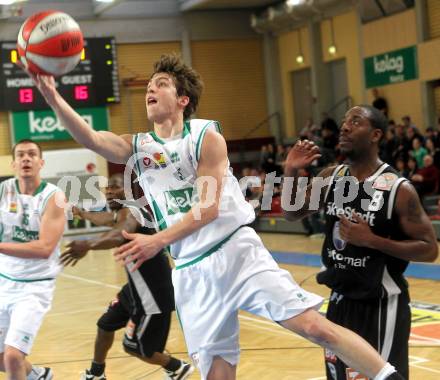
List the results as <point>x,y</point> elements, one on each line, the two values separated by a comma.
<point>35,373</point>
<point>386,371</point>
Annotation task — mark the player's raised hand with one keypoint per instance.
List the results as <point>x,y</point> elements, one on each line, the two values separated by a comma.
<point>44,83</point>
<point>140,248</point>
<point>302,154</point>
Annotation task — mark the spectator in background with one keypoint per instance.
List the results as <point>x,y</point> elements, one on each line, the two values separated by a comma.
<point>263,155</point>
<point>329,123</point>
<point>269,163</point>
<point>402,142</point>
<point>418,152</point>
<point>434,151</point>
<point>308,131</point>
<point>392,125</point>
<point>413,133</point>
<point>432,133</point>
<point>280,158</point>
<point>411,167</point>
<point>388,146</point>
<point>380,102</point>
<point>328,150</point>
<point>407,123</point>
<point>425,180</point>
<point>401,167</point>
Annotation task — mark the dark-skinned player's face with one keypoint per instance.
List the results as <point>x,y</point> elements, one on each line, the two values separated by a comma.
<point>114,191</point>
<point>357,136</point>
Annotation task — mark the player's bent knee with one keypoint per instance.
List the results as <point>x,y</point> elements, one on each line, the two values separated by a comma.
<point>13,359</point>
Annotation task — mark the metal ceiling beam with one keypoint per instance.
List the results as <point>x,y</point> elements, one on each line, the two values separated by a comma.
<point>100,8</point>
<point>380,6</point>
<point>186,5</point>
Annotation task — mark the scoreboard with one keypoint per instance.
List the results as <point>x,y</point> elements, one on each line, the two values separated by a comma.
<point>93,82</point>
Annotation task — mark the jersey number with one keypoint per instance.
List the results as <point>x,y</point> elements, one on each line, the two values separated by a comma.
<point>376,201</point>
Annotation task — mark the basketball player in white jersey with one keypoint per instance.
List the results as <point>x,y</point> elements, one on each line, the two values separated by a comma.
<point>221,265</point>
<point>32,223</point>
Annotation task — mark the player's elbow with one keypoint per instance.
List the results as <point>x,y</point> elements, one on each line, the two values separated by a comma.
<point>45,252</point>
<point>432,253</point>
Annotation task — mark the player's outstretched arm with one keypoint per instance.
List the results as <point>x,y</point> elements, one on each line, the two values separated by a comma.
<point>300,156</point>
<point>99,218</point>
<point>210,174</point>
<point>52,227</point>
<point>77,249</point>
<point>421,242</point>
<point>112,147</point>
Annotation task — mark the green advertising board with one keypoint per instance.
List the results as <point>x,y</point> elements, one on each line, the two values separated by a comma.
<point>45,126</point>
<point>391,67</point>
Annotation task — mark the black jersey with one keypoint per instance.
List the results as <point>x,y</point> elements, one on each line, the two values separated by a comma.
<point>360,272</point>
<point>151,285</point>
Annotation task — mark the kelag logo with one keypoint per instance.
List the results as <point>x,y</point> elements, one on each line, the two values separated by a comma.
<point>179,201</point>
<point>50,123</point>
<point>391,67</point>
<point>389,64</point>
<point>45,126</point>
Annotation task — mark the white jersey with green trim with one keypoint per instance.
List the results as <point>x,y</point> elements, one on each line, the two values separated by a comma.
<point>20,219</point>
<point>167,172</point>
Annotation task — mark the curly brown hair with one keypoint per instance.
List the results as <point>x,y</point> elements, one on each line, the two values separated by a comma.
<point>188,81</point>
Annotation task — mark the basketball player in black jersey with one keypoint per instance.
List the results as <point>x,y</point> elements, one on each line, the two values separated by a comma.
<point>144,304</point>
<point>375,225</point>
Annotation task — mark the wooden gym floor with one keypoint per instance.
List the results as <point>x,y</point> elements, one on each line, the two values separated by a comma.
<point>66,339</point>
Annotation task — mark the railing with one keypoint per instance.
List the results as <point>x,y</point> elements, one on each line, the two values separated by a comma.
<point>276,116</point>
<point>347,101</point>
<point>273,116</point>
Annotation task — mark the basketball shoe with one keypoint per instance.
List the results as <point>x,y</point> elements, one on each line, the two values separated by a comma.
<point>86,375</point>
<point>184,371</point>
<point>40,373</point>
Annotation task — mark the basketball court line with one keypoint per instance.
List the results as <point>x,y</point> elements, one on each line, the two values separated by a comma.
<point>73,312</point>
<point>70,276</point>
<point>425,338</point>
<point>415,361</point>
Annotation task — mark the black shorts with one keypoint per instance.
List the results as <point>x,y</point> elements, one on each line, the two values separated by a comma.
<point>384,323</point>
<point>144,334</point>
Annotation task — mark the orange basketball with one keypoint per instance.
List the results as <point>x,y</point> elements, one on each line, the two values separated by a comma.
<point>50,42</point>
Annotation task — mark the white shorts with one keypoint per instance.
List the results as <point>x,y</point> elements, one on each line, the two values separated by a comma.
<point>23,306</point>
<point>240,275</point>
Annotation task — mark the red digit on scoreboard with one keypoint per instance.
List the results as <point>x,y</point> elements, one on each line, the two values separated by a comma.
<point>81,92</point>
<point>25,95</point>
